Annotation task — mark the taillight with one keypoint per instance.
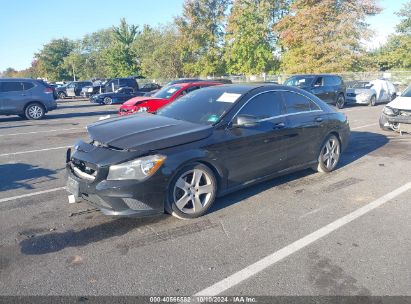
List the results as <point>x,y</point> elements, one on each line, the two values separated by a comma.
<point>48,90</point>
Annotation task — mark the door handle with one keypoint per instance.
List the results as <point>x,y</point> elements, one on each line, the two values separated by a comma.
<point>319,119</point>
<point>279,125</point>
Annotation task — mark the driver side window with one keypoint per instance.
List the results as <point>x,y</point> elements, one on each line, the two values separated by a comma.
<point>319,82</point>
<point>265,105</point>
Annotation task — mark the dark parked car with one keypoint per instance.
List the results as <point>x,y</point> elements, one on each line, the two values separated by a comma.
<point>114,84</point>
<point>119,96</point>
<point>61,91</point>
<point>329,88</point>
<point>28,98</point>
<point>206,144</point>
<point>96,88</point>
<point>74,88</point>
<point>149,87</point>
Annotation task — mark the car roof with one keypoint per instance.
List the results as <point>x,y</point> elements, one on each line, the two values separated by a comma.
<point>315,75</point>
<point>19,79</point>
<point>196,83</point>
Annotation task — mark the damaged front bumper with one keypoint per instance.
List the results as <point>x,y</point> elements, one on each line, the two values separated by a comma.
<point>399,123</point>
<point>86,181</point>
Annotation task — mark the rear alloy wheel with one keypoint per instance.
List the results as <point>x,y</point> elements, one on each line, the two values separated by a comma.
<point>192,192</point>
<point>34,111</point>
<point>373,101</point>
<point>329,155</point>
<point>108,101</point>
<point>62,95</point>
<point>340,101</point>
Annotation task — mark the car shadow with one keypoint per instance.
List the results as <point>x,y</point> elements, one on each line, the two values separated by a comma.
<point>360,144</point>
<point>63,115</point>
<point>56,241</point>
<point>21,175</point>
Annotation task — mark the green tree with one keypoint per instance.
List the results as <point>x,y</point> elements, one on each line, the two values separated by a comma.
<point>159,52</point>
<point>9,72</point>
<point>395,53</point>
<point>121,60</point>
<point>325,36</point>
<point>250,45</point>
<point>50,59</point>
<point>201,30</point>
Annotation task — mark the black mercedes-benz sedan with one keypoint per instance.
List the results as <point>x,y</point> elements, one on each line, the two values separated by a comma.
<point>204,145</point>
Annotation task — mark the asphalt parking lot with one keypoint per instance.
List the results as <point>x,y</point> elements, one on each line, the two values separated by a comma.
<point>48,247</point>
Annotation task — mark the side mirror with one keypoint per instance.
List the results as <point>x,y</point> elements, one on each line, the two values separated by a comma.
<point>245,121</point>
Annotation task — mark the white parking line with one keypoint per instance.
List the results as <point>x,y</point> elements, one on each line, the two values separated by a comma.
<point>47,131</point>
<point>365,126</point>
<point>30,194</point>
<point>277,256</point>
<point>34,151</point>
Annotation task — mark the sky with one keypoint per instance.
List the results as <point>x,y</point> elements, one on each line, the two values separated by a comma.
<point>26,25</point>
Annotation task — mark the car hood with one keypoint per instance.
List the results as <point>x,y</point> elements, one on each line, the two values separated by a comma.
<point>402,103</point>
<point>146,132</point>
<point>137,100</point>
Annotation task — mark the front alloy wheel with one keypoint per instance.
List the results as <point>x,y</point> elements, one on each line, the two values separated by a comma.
<point>193,192</point>
<point>329,155</point>
<point>34,111</point>
<point>108,101</point>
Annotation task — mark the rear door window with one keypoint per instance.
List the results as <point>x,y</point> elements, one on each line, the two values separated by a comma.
<point>296,103</point>
<point>11,86</point>
<point>265,105</point>
<point>27,86</point>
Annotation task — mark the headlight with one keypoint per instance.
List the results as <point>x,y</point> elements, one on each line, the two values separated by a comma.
<point>390,111</point>
<point>142,109</point>
<point>90,90</point>
<point>138,169</point>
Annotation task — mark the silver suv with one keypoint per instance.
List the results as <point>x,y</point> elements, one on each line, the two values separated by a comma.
<point>28,98</point>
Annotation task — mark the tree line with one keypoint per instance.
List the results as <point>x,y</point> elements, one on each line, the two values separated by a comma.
<point>218,37</point>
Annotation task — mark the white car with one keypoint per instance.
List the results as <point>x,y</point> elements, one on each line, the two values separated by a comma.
<point>396,115</point>
<point>371,92</point>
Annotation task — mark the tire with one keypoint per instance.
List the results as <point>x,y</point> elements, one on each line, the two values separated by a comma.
<point>34,111</point>
<point>340,102</point>
<point>62,95</point>
<point>373,101</point>
<point>328,163</point>
<point>108,101</point>
<point>183,199</point>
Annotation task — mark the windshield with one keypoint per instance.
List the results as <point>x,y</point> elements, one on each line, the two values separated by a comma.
<point>407,92</point>
<point>299,81</point>
<point>362,85</point>
<point>204,106</point>
<point>167,92</point>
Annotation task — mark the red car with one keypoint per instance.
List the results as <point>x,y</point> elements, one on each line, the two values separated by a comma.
<point>161,98</point>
